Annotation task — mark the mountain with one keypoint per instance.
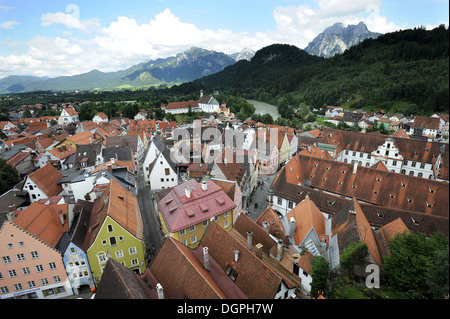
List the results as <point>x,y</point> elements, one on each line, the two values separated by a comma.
<point>401,72</point>
<point>184,67</point>
<point>245,54</point>
<point>337,38</point>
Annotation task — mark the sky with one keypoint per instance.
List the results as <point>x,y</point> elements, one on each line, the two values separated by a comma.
<point>67,37</point>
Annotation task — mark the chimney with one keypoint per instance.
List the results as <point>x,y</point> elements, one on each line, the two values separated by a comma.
<point>160,291</point>
<point>236,255</point>
<point>355,168</point>
<point>10,216</point>
<point>279,249</point>
<point>187,192</point>
<point>204,186</point>
<point>206,257</point>
<point>62,219</point>
<point>292,227</point>
<point>249,240</point>
<point>258,251</point>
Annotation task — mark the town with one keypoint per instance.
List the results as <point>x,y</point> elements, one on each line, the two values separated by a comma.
<point>218,208</point>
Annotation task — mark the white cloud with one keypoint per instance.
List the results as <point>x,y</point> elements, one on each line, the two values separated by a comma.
<point>125,42</point>
<point>8,24</point>
<point>69,20</point>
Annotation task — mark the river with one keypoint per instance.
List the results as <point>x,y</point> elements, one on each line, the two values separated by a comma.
<point>263,108</point>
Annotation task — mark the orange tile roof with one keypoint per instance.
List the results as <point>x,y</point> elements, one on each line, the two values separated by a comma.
<point>307,216</point>
<point>71,111</point>
<point>82,138</point>
<point>44,222</point>
<point>63,151</point>
<point>121,205</point>
<point>46,179</point>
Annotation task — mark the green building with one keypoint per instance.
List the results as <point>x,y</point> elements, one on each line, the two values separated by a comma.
<point>115,231</point>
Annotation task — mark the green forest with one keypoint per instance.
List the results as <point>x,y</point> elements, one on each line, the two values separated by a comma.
<point>405,71</point>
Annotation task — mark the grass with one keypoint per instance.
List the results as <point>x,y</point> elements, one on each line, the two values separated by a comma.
<point>354,293</point>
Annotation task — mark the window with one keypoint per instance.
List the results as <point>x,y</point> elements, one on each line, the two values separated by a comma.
<point>227,224</point>
<point>31,284</point>
<point>290,204</point>
<point>110,229</point>
<point>192,228</point>
<point>182,232</point>
<point>422,165</point>
<point>12,273</point>
<point>193,239</point>
<point>394,163</point>
<point>6,259</point>
<point>112,241</point>
<point>101,258</point>
<point>119,254</point>
<point>39,268</point>
<point>34,254</point>
<point>52,265</point>
<point>279,201</point>
<point>231,272</point>
<point>411,173</point>
<point>413,164</point>
<point>134,262</point>
<point>132,250</point>
<point>26,271</point>
<point>167,171</point>
<point>205,223</point>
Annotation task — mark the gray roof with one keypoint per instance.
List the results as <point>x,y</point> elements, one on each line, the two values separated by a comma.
<point>124,153</point>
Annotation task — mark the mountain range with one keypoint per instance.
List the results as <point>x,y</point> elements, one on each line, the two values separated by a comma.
<point>337,38</point>
<point>184,67</point>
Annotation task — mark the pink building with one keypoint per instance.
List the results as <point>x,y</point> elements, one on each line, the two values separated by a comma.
<point>30,266</point>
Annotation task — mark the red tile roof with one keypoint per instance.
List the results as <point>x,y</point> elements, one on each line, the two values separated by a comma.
<point>180,211</point>
<point>44,221</point>
<point>46,179</point>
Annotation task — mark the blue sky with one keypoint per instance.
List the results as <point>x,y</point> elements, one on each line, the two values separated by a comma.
<point>52,38</point>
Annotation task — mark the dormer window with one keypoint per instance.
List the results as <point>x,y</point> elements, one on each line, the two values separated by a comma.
<point>432,191</point>
<point>392,196</point>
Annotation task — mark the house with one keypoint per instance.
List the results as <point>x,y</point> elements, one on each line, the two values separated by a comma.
<point>338,185</point>
<point>100,118</point>
<point>415,157</point>
<point>333,111</point>
<point>141,116</point>
<point>134,141</point>
<point>68,115</point>
<point>119,282</point>
<point>23,162</point>
<point>123,154</point>
<point>83,138</point>
<point>43,183</point>
<point>31,268</point>
<point>275,253</point>
<point>425,126</point>
<point>232,190</point>
<point>350,225</point>
<point>268,158</point>
<point>58,155</point>
<point>186,210</point>
<point>207,103</point>
<point>306,228</point>
<point>74,257</point>
<point>115,231</point>
<point>160,171</point>
<point>182,107</point>
<point>253,277</point>
<point>180,272</point>
<point>35,238</point>
<point>88,157</point>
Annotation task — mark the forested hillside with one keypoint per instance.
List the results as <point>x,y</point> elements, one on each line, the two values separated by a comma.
<point>405,71</point>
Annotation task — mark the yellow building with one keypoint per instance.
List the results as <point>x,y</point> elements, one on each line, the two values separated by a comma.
<point>186,210</point>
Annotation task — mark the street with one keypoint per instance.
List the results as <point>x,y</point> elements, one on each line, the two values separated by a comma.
<point>153,236</point>
<point>260,195</point>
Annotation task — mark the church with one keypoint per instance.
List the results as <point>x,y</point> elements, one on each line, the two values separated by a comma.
<point>206,103</point>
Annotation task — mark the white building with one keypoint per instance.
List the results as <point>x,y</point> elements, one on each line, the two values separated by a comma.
<point>68,115</point>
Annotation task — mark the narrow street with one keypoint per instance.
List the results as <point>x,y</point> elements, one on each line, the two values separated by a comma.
<point>260,195</point>
<point>153,236</point>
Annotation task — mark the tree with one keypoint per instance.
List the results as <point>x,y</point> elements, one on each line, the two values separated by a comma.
<point>354,254</point>
<point>320,273</point>
<point>437,275</point>
<point>412,257</point>
<point>8,176</point>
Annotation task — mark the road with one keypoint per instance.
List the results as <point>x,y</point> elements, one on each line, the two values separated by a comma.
<point>260,196</point>
<point>153,235</point>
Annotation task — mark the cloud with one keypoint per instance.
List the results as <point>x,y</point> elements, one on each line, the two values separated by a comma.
<point>8,24</point>
<point>71,21</point>
<point>125,41</point>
